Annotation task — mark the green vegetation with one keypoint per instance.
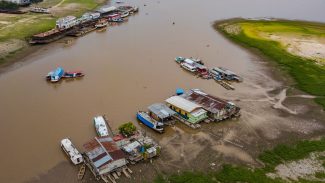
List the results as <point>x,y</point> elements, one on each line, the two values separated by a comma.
<point>4,5</point>
<point>231,174</point>
<point>127,129</point>
<point>309,76</point>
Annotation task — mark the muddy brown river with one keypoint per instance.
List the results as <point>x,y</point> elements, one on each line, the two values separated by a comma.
<point>129,67</point>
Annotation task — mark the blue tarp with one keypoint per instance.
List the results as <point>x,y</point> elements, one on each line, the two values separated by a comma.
<point>58,72</point>
<point>179,91</point>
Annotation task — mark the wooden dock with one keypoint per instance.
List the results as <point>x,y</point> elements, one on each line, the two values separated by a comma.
<point>225,84</point>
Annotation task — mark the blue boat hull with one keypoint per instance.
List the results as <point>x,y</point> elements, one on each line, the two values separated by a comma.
<point>148,123</point>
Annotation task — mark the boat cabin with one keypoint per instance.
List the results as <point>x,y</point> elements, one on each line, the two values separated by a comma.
<point>188,67</point>
<point>160,112</point>
<point>223,73</point>
<point>71,151</point>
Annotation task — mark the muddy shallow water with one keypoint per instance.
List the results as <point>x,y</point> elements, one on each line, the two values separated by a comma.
<point>129,67</point>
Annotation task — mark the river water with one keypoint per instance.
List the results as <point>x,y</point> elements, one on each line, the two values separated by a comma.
<point>128,67</point>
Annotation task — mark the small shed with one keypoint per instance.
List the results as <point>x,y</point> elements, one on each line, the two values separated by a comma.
<point>161,112</point>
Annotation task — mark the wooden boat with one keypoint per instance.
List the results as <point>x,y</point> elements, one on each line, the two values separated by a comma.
<point>116,20</point>
<point>101,23</point>
<point>189,60</point>
<point>101,126</point>
<point>124,14</point>
<point>39,10</point>
<point>225,74</point>
<point>82,172</point>
<point>56,75</point>
<point>71,151</point>
<point>144,118</point>
<point>73,74</point>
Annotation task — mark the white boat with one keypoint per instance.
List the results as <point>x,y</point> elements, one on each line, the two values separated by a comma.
<point>125,14</point>
<point>101,126</point>
<point>71,151</point>
<point>188,67</point>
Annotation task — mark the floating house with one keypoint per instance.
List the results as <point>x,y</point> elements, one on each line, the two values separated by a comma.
<point>190,111</point>
<point>137,147</point>
<point>160,112</point>
<point>218,109</point>
<point>66,22</point>
<point>102,156</point>
<point>223,73</point>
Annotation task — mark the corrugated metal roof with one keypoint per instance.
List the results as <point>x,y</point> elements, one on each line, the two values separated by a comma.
<point>161,110</point>
<point>102,151</point>
<point>182,103</point>
<point>209,102</point>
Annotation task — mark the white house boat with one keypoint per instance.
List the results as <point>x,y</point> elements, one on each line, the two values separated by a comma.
<point>71,151</point>
<point>101,126</point>
<point>188,67</point>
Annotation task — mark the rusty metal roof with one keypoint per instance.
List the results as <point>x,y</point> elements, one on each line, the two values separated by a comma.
<point>103,150</point>
<point>208,102</point>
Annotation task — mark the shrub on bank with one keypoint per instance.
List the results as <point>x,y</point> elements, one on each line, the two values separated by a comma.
<point>4,5</point>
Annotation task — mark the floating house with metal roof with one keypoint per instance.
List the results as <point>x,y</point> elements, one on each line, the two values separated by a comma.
<point>218,109</point>
<point>102,155</point>
<point>160,112</point>
<point>190,111</point>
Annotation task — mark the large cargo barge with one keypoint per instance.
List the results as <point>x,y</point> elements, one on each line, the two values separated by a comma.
<point>50,36</point>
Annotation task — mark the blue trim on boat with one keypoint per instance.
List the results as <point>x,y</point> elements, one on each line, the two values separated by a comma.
<point>148,123</point>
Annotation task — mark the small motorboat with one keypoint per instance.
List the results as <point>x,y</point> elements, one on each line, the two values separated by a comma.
<point>101,23</point>
<point>117,20</point>
<point>179,59</point>
<point>71,151</point>
<point>73,74</point>
<point>150,122</point>
<point>101,126</point>
<point>39,10</point>
<point>124,14</point>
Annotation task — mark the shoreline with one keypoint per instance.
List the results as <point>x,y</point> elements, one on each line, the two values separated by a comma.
<point>17,53</point>
<point>241,39</point>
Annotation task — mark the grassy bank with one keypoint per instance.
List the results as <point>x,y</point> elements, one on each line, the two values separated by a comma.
<point>277,40</point>
<point>17,28</point>
<point>230,174</point>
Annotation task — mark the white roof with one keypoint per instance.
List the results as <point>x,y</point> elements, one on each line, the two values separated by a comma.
<point>188,65</point>
<point>182,103</point>
<point>189,61</point>
<point>131,146</point>
<point>100,125</point>
<point>71,150</point>
<point>198,112</point>
<point>151,150</point>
